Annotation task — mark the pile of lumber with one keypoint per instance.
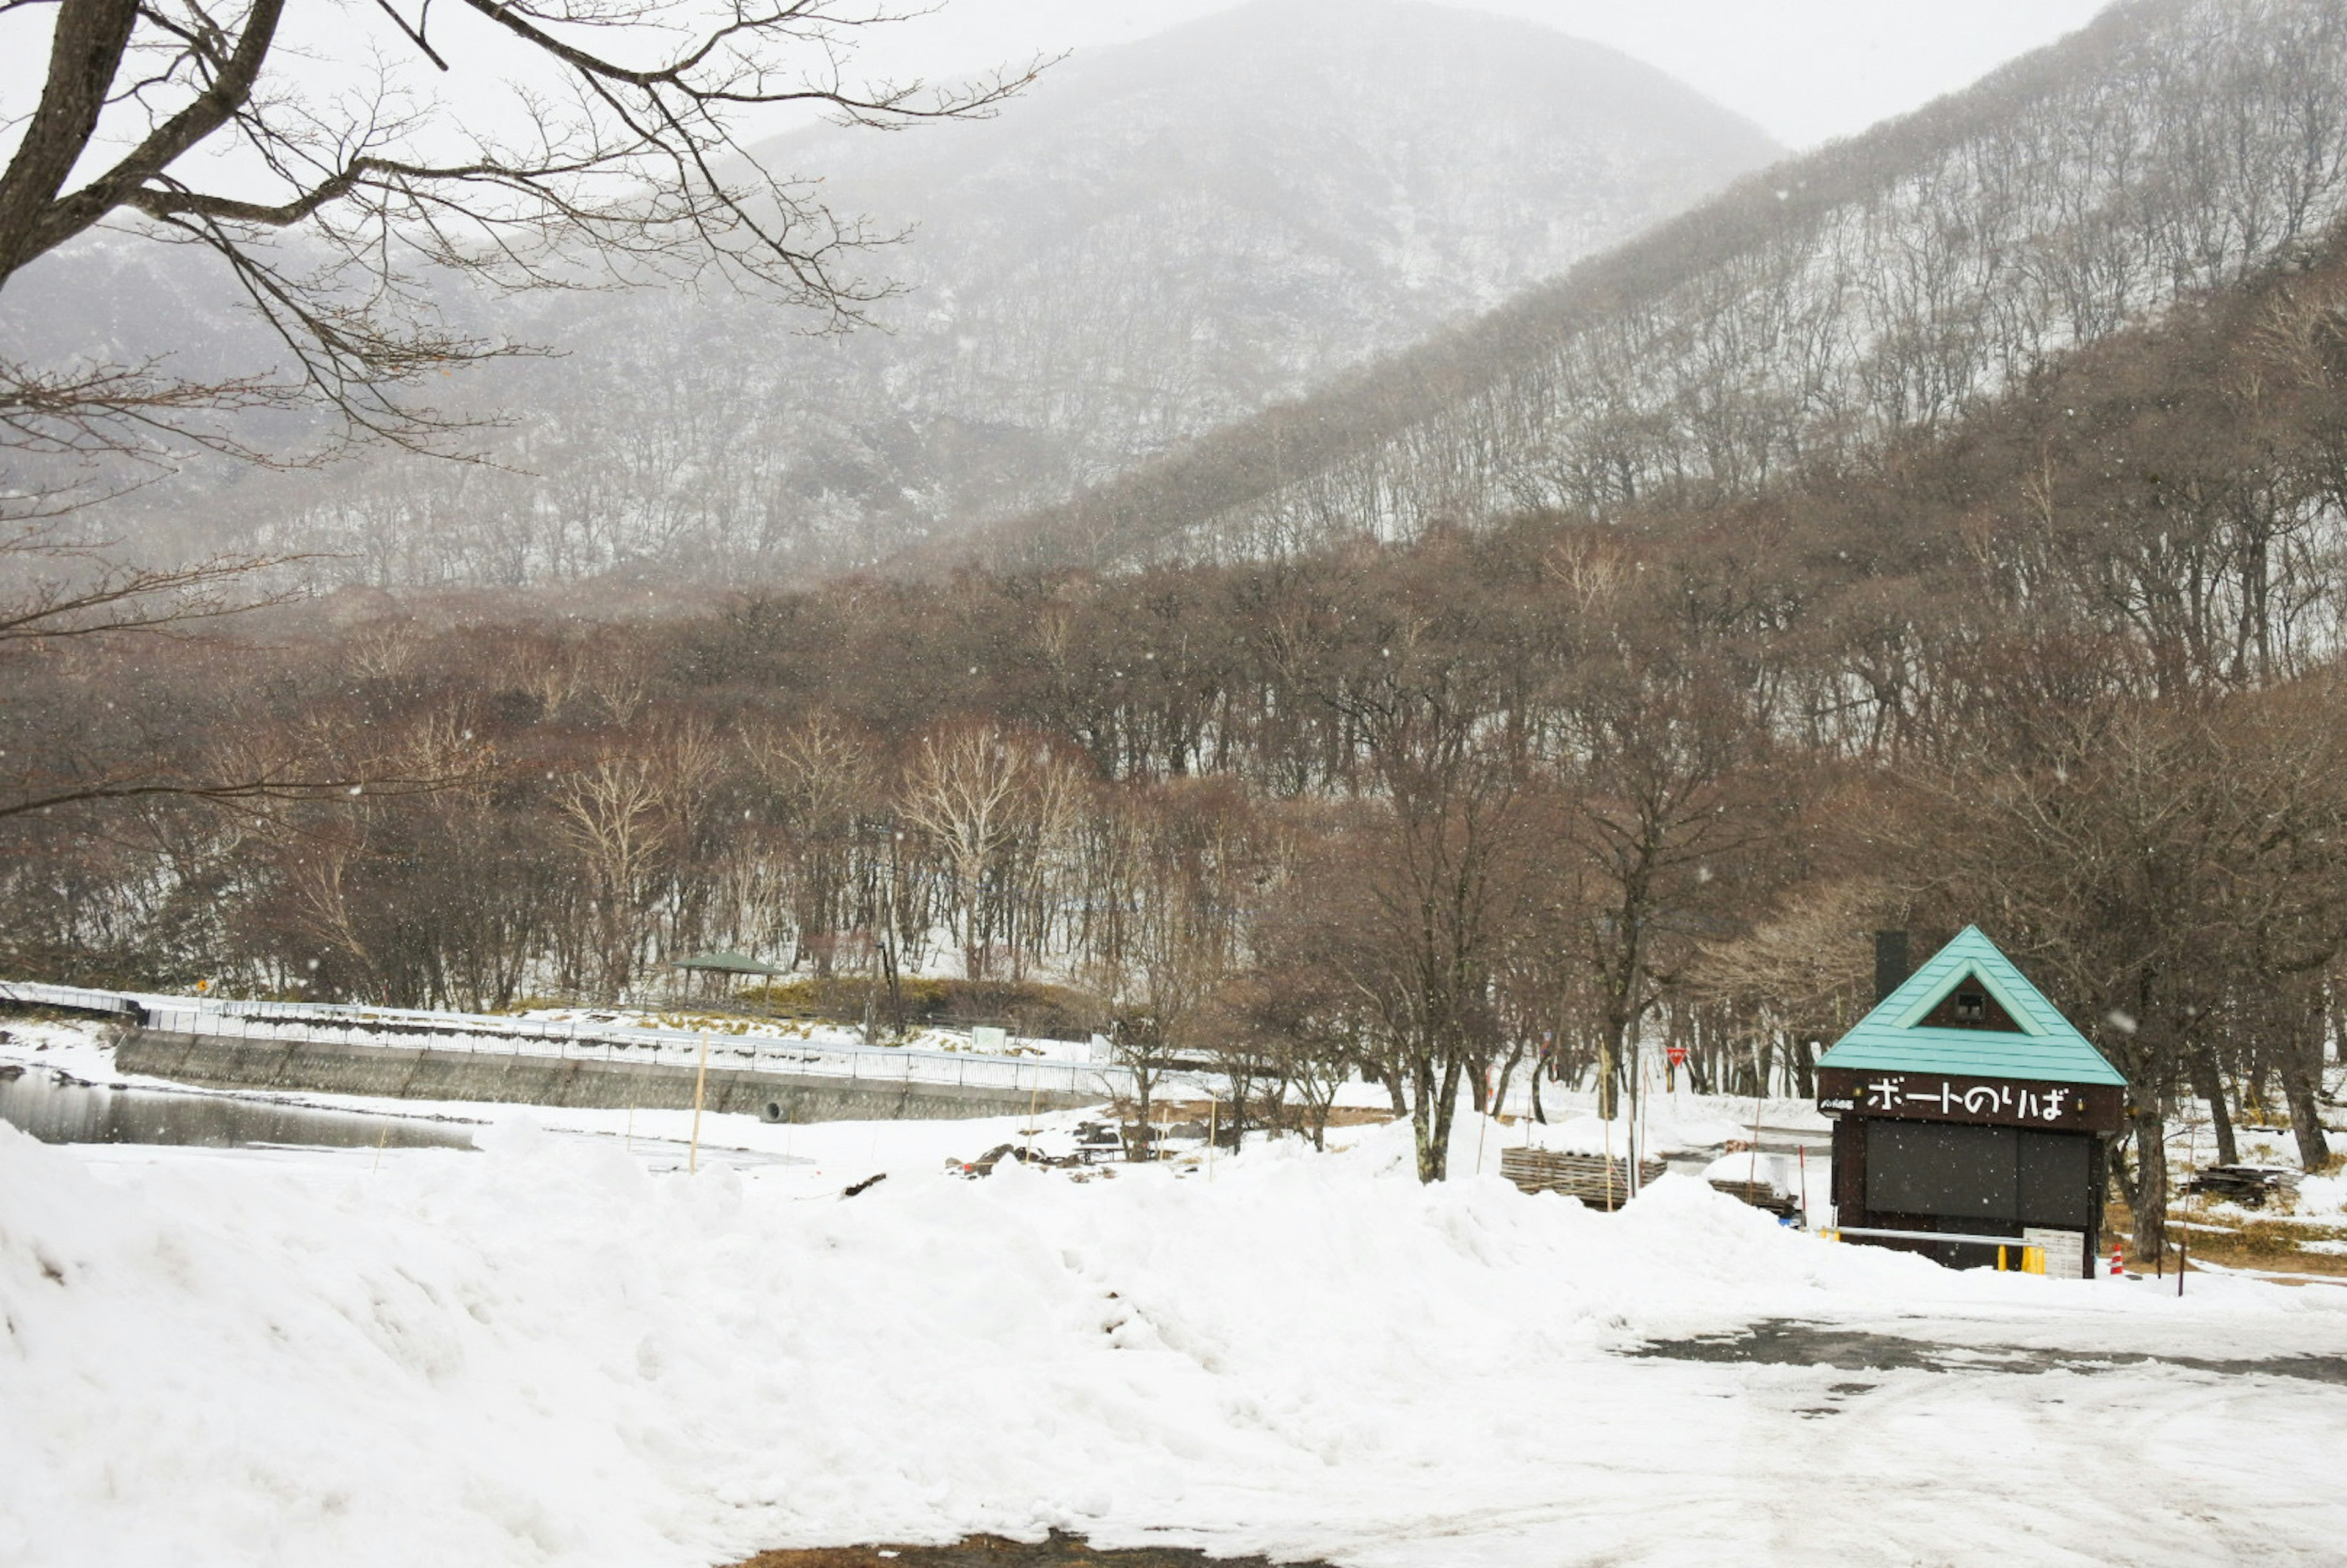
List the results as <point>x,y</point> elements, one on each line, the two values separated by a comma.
<point>1760,1194</point>
<point>2248,1185</point>
<point>1595,1180</point>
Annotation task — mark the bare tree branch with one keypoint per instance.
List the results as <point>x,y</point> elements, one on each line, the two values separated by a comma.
<point>223,792</point>
<point>117,600</point>
<point>336,212</point>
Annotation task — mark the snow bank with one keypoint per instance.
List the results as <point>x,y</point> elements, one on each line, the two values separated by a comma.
<point>2322,1195</point>
<point>543,1354</point>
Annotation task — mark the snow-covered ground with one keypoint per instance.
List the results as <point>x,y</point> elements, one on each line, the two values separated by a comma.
<point>564,1350</point>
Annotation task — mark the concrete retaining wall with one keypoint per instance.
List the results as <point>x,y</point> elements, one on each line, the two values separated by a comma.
<point>396,1072</point>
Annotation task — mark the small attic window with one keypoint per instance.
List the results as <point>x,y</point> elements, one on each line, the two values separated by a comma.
<point>1972,1007</point>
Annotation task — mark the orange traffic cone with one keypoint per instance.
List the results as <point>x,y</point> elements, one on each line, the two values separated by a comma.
<point>2118,1262</point>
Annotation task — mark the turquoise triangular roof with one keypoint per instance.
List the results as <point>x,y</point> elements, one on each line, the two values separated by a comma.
<point>2045,1049</point>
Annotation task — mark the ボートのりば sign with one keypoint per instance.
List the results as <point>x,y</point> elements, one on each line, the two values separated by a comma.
<point>1939,1097</point>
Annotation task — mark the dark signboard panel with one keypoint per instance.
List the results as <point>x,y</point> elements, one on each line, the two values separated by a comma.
<point>2058,1180</point>
<point>1999,1173</point>
<point>1921,1168</point>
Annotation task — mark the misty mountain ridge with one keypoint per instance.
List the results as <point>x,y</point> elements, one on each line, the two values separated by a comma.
<point>1889,284</point>
<point>1159,239</point>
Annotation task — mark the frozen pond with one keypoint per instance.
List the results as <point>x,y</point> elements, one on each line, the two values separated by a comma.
<point>59,1109</point>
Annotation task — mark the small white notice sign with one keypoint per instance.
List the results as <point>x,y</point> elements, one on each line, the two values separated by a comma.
<point>985,1037</point>
<point>2066,1251</point>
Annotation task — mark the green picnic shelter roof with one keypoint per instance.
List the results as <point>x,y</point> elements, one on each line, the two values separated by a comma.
<point>727,962</point>
<point>2042,1047</point>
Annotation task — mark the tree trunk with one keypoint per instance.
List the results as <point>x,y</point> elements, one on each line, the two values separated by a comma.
<point>2306,1116</point>
<point>1316,1106</point>
<point>2302,1079</point>
<point>1142,1085</point>
<point>1235,1120</point>
<point>1430,1118</point>
<point>2209,1084</point>
<point>1506,1071</point>
<point>2148,1195</point>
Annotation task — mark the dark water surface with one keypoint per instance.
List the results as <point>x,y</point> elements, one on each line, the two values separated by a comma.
<point>995,1552</point>
<point>59,1109</point>
<point>1788,1342</point>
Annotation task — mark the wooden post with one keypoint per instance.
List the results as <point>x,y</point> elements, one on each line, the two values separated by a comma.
<point>1632,1139</point>
<point>1606,1125</point>
<point>1491,1109</point>
<point>1759,1098</point>
<point>1213,1128</point>
<point>700,1082</point>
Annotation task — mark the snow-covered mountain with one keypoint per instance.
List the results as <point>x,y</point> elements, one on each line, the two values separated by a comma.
<point>1892,284</point>
<point>1160,238</point>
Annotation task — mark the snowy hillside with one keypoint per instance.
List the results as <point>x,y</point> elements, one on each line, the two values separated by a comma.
<point>1158,238</point>
<point>1891,283</point>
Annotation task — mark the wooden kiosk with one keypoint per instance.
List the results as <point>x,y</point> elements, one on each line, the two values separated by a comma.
<point>1970,1120</point>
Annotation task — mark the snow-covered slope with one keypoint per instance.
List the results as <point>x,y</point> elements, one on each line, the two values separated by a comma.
<point>1156,240</point>
<point>1890,284</point>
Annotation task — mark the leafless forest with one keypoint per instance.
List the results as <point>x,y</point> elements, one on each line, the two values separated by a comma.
<point>1553,791</point>
<point>1943,529</point>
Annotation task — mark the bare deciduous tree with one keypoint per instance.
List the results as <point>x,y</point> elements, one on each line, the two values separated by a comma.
<point>614,814</point>
<point>974,791</point>
<point>822,782</point>
<point>330,186</point>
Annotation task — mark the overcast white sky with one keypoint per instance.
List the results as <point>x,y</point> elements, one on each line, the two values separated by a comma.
<point>1807,70</point>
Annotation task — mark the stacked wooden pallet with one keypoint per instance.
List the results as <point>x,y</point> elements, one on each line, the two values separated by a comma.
<point>2248,1185</point>
<point>1760,1194</point>
<point>1595,1179</point>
